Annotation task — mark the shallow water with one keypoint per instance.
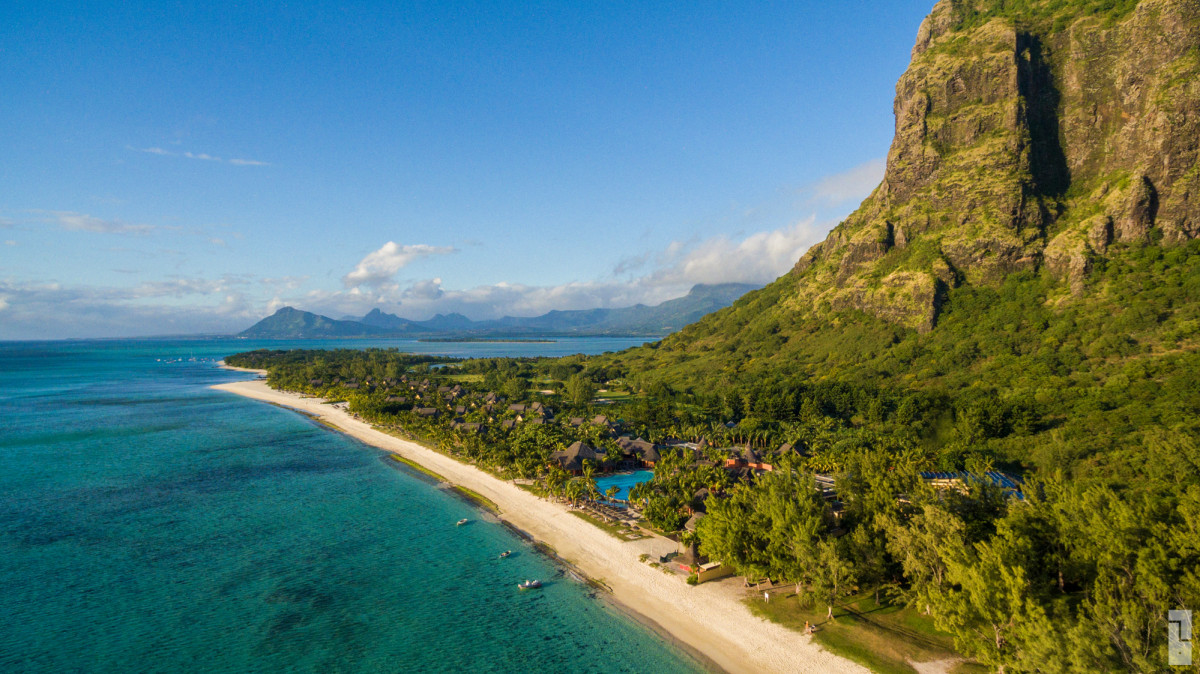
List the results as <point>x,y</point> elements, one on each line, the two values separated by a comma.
<point>150,524</point>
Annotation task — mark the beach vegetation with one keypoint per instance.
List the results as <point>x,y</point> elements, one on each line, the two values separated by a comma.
<point>1092,410</point>
<point>478,499</point>
<point>416,467</point>
<point>883,637</point>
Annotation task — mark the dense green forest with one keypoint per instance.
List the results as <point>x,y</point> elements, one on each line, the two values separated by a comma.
<point>1075,575</point>
<point>1015,374</point>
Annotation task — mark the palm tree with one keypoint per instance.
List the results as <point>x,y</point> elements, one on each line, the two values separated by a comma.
<point>640,492</point>
<point>555,478</point>
<point>589,481</point>
<point>574,489</point>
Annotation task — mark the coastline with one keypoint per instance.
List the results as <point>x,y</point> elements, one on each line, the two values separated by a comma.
<point>225,366</point>
<point>709,619</point>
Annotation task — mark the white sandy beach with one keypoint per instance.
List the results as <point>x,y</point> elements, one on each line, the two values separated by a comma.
<point>709,618</point>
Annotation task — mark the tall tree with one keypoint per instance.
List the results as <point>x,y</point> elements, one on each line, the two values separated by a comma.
<point>580,390</point>
<point>833,573</point>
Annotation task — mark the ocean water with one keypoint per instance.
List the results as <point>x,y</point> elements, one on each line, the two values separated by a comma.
<point>150,524</point>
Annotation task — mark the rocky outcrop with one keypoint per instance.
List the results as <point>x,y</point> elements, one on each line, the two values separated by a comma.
<point>1040,141</point>
<point>1131,104</point>
<point>1138,213</point>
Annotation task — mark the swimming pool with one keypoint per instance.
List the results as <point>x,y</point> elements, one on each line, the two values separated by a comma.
<point>623,481</point>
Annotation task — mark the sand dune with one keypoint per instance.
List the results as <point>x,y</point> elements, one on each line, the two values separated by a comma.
<point>708,618</point>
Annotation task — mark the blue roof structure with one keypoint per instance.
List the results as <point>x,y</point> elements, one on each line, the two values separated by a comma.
<point>1002,480</point>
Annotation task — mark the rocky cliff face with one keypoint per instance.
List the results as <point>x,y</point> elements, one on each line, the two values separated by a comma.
<point>1025,140</point>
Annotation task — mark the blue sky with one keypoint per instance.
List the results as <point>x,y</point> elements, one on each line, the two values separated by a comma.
<point>172,169</point>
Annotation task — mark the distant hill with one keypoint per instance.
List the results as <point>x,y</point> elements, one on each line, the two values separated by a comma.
<point>639,319</point>
<point>672,315</point>
<point>390,322</point>
<point>290,323</point>
<point>448,323</point>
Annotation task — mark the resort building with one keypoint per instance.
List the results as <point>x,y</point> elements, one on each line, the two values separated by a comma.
<point>571,459</point>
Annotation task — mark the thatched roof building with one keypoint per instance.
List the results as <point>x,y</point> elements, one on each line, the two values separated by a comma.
<point>572,458</point>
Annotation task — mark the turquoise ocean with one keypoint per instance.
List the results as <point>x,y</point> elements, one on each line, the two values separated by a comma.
<point>150,524</point>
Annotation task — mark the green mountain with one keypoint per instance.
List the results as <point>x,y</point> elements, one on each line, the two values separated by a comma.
<point>1033,243</point>
<point>701,300</point>
<point>391,322</point>
<point>290,323</point>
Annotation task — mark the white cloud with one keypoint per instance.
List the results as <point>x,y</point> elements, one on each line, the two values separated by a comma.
<point>649,277</point>
<point>179,287</point>
<point>10,242</point>
<point>633,263</point>
<point>758,258</point>
<point>665,274</point>
<point>198,155</point>
<point>3,302</point>
<point>377,268</point>
<point>425,290</point>
<point>852,185</point>
<point>284,282</point>
<point>81,222</point>
<point>173,306</point>
<point>427,297</point>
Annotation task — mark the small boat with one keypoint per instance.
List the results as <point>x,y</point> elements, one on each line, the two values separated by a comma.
<point>529,585</point>
<point>505,554</point>
<point>462,521</point>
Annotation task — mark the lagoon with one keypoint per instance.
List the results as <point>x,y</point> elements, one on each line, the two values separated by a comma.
<point>148,523</point>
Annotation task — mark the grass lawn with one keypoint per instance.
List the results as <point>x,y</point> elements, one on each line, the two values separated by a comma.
<point>884,638</point>
<point>613,530</point>
<point>614,395</point>
<point>466,378</point>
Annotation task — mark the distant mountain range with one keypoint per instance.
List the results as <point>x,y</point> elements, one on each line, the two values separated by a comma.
<point>702,299</point>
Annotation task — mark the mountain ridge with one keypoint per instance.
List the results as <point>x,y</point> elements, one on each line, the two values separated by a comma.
<point>639,319</point>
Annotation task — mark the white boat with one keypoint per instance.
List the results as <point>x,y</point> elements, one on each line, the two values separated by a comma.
<point>462,521</point>
<point>530,585</point>
<point>505,554</point>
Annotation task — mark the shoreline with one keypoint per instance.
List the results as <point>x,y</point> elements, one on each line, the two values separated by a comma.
<point>707,621</point>
<point>225,366</point>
